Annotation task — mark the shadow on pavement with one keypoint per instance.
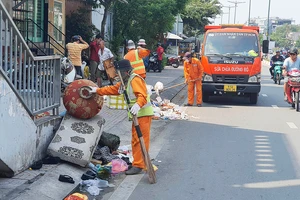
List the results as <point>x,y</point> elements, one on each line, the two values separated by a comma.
<point>214,162</point>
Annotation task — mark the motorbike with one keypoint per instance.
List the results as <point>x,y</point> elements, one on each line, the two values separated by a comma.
<point>68,73</point>
<point>153,62</point>
<point>293,88</point>
<point>173,61</point>
<point>278,72</point>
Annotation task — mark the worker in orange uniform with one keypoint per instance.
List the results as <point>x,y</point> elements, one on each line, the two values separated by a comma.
<point>193,71</point>
<point>135,56</point>
<point>140,106</point>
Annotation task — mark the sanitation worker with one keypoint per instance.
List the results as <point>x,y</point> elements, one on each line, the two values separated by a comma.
<point>193,71</point>
<point>139,105</point>
<point>135,56</point>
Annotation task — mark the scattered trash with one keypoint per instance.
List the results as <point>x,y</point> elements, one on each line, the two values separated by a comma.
<point>104,154</point>
<point>76,196</point>
<point>93,190</point>
<point>110,140</point>
<point>93,186</point>
<point>66,179</point>
<point>118,165</point>
<point>168,111</point>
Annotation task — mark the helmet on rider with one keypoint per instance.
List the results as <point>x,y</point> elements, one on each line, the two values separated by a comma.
<point>294,51</point>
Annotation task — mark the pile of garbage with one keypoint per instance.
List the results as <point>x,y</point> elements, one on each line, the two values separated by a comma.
<point>166,110</point>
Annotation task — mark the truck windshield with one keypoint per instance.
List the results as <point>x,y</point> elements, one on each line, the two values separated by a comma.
<point>231,43</point>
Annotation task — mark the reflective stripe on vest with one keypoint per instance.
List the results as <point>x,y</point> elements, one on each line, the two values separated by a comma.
<point>136,62</point>
<point>147,109</point>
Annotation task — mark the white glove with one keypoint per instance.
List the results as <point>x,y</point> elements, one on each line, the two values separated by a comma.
<point>135,109</point>
<point>93,89</point>
<point>121,90</point>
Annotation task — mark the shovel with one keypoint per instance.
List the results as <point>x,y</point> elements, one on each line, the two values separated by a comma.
<point>146,157</point>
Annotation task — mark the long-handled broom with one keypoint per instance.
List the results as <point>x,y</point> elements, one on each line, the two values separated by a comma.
<point>146,157</point>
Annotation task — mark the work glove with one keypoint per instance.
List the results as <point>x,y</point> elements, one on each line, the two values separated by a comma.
<point>135,109</point>
<point>93,89</point>
<point>121,89</point>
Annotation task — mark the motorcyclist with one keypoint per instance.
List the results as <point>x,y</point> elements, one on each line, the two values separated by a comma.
<point>275,58</point>
<point>290,63</point>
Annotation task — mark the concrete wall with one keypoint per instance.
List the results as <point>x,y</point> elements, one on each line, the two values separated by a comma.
<point>17,132</point>
<point>8,5</point>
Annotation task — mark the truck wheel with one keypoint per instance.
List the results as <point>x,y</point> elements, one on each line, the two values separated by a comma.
<point>205,97</point>
<point>253,98</point>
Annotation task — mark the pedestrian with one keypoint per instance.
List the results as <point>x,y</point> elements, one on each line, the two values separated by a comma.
<point>104,54</point>
<point>193,71</point>
<point>140,106</point>
<point>74,52</point>
<point>142,44</point>
<point>160,52</point>
<point>135,56</point>
<point>94,57</point>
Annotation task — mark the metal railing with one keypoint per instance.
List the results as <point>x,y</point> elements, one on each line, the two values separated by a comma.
<point>35,80</point>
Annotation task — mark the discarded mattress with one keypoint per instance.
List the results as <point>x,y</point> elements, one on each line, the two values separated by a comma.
<point>76,139</point>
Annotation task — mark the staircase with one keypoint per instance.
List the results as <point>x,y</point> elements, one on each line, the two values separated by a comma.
<point>30,21</point>
<point>29,87</point>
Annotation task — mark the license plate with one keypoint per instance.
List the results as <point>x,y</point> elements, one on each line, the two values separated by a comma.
<point>229,88</point>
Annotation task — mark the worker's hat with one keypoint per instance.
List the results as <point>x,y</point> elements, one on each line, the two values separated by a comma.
<point>142,42</point>
<point>130,44</point>
<point>123,65</point>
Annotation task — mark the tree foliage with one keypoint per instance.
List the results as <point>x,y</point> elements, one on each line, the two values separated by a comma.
<point>78,23</point>
<point>197,14</point>
<point>281,36</point>
<point>147,19</point>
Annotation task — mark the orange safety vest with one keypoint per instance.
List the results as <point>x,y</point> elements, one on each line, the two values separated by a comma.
<point>136,62</point>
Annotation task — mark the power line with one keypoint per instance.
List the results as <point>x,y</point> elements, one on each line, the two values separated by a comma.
<point>235,5</point>
<point>229,7</point>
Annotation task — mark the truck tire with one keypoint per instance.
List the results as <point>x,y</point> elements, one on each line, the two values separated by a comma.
<point>253,98</point>
<point>205,97</point>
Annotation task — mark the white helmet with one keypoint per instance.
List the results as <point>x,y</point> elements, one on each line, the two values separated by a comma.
<point>130,44</point>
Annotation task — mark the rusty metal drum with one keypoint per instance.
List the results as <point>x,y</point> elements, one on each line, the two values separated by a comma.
<point>79,107</point>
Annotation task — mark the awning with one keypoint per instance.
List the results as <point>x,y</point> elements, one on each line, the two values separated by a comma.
<point>173,36</point>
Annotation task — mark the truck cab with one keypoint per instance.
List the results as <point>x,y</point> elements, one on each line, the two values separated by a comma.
<point>231,58</point>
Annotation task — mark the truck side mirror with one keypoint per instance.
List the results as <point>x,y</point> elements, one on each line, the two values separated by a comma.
<point>265,46</point>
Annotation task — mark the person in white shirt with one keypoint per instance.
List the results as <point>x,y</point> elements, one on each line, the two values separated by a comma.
<point>104,54</point>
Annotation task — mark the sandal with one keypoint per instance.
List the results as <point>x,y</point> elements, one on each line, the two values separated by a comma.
<point>66,179</point>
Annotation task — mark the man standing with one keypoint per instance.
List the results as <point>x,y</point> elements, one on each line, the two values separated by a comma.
<point>290,63</point>
<point>159,51</point>
<point>274,59</point>
<point>140,106</point>
<point>142,44</point>
<point>74,52</point>
<point>94,58</point>
<point>193,71</point>
<point>135,56</point>
<point>104,54</point>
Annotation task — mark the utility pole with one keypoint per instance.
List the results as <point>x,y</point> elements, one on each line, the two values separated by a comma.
<point>222,13</point>
<point>249,12</point>
<point>229,7</point>
<point>268,29</point>
<point>235,5</point>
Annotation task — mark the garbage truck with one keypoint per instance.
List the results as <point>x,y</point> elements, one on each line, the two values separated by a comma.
<point>231,57</point>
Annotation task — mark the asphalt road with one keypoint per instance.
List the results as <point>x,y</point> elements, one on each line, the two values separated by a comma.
<point>228,149</point>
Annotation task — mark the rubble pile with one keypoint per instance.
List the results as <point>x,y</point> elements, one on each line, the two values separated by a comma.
<point>168,111</point>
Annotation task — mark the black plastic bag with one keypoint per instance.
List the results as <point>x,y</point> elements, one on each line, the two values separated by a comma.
<point>110,140</point>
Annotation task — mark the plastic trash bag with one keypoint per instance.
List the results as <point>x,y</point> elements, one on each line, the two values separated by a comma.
<point>118,165</point>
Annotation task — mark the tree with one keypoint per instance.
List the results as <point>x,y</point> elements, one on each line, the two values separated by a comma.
<point>107,5</point>
<point>147,19</point>
<point>78,23</point>
<point>281,35</point>
<point>297,44</point>
<point>197,14</point>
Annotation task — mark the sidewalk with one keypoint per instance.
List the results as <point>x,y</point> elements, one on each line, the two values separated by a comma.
<point>44,184</point>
